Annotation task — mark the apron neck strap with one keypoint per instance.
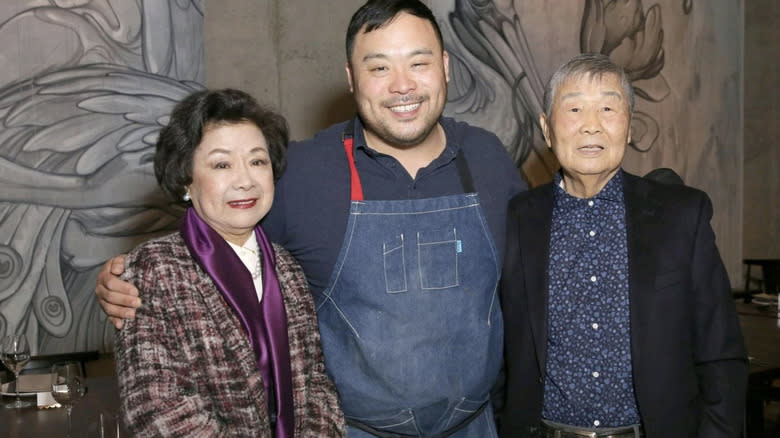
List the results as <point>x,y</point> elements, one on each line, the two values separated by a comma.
<point>356,189</point>
<point>464,173</point>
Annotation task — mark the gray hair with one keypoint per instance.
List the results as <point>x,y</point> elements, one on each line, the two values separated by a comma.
<point>594,65</point>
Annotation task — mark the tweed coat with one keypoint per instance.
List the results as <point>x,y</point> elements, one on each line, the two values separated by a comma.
<point>688,357</point>
<point>185,364</point>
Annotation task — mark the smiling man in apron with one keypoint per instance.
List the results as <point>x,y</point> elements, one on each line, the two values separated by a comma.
<point>398,220</point>
<point>395,217</point>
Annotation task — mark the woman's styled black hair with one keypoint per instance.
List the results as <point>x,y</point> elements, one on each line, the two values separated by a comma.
<point>178,140</point>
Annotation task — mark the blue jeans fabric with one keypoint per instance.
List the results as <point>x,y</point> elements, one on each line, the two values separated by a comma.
<point>483,426</point>
<point>410,322</point>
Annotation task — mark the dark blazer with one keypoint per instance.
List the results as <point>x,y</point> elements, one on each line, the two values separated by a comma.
<point>688,355</point>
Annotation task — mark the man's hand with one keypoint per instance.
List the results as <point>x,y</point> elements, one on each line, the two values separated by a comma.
<point>118,298</point>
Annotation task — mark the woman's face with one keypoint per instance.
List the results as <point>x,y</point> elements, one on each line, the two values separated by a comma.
<point>232,179</point>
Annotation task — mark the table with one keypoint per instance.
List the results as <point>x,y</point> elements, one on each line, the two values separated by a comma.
<point>761,330</point>
<point>102,397</point>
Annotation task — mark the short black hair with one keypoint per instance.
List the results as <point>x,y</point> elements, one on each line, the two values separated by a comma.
<point>178,140</point>
<point>377,13</point>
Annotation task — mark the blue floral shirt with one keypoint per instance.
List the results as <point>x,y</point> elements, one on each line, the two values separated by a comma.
<point>588,381</point>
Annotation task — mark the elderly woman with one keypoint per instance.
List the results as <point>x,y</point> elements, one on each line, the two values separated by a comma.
<point>226,343</point>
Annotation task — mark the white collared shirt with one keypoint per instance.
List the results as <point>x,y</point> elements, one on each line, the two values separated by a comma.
<point>249,253</point>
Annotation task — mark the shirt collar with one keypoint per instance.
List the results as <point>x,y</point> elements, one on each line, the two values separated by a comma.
<point>612,191</point>
<point>250,246</point>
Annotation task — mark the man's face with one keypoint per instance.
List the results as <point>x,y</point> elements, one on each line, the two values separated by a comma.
<point>398,74</point>
<point>589,126</point>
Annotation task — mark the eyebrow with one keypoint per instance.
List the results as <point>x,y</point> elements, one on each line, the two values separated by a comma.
<point>413,53</point>
<point>603,93</point>
<point>228,151</point>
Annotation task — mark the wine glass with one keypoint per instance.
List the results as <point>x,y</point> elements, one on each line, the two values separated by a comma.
<point>67,386</point>
<point>15,355</point>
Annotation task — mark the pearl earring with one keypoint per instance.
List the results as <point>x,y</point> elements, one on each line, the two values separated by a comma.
<point>186,197</point>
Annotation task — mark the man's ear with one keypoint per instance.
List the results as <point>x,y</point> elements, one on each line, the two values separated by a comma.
<point>446,61</point>
<point>349,77</point>
<point>545,129</point>
<point>628,139</point>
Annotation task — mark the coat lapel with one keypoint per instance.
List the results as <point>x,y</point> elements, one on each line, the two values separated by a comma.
<point>535,250</point>
<point>234,335</point>
<point>641,214</point>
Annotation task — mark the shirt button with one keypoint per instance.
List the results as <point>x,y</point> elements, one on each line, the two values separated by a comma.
<point>595,374</point>
<point>592,233</point>
<point>590,203</point>
<point>597,423</point>
<point>595,326</point>
<point>593,278</point>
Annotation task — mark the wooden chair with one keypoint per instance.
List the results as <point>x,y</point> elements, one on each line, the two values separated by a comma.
<point>767,282</point>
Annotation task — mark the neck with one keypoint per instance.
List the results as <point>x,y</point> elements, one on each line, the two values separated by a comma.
<point>238,240</point>
<point>412,157</point>
<point>585,186</point>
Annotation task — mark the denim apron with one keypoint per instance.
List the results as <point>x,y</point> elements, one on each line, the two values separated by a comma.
<point>410,321</point>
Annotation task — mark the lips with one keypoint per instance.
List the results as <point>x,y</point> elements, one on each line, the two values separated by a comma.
<point>590,150</point>
<point>243,203</point>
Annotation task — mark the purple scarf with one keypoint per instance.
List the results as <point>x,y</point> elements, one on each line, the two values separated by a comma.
<point>265,322</point>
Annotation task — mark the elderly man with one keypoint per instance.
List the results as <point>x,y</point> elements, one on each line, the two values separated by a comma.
<point>619,319</point>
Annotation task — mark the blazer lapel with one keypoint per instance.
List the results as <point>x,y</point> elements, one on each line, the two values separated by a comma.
<point>228,326</point>
<point>535,250</point>
<point>641,214</point>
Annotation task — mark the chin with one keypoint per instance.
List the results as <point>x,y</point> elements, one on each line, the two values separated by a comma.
<point>248,221</point>
<point>412,138</point>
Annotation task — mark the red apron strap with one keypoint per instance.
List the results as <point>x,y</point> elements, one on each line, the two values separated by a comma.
<point>356,190</point>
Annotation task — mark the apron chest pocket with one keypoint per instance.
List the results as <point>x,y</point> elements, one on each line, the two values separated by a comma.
<point>436,266</point>
<point>437,253</point>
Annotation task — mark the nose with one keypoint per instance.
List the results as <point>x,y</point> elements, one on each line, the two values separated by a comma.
<point>591,123</point>
<point>242,177</point>
<point>403,82</point>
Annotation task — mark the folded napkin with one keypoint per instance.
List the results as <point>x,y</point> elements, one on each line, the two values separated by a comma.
<point>765,300</point>
<point>30,383</point>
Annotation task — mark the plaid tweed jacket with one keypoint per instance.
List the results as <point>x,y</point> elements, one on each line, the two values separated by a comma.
<point>186,367</point>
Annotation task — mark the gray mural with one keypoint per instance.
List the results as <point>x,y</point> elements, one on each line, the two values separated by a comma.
<point>684,61</point>
<point>85,87</point>
<point>494,67</point>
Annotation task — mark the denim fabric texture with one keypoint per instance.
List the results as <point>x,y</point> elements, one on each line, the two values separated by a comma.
<point>413,339</point>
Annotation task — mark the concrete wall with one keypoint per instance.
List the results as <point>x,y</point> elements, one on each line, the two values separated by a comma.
<point>287,53</point>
